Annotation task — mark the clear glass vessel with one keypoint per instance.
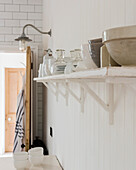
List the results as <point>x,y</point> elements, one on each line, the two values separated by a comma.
<point>48,59</point>
<point>59,65</point>
<point>72,53</point>
<point>76,56</point>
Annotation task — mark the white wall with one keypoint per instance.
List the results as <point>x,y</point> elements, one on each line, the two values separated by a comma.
<point>86,141</point>
<point>74,22</point>
<point>7,60</point>
<point>14,14</point>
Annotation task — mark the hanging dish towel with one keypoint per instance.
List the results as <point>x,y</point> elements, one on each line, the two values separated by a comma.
<point>20,121</point>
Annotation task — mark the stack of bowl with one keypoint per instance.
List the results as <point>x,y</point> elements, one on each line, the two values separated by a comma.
<point>20,160</point>
<point>36,155</point>
<point>121,44</point>
<point>94,49</point>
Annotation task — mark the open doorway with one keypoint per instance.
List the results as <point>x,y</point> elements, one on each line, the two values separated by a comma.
<point>12,68</point>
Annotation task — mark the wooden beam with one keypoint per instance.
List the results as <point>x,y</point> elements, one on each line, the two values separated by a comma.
<point>28,98</point>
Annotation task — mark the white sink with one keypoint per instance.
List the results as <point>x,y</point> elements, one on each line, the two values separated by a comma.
<point>121,44</point>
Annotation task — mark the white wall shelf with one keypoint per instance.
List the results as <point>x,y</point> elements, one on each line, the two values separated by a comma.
<point>110,75</point>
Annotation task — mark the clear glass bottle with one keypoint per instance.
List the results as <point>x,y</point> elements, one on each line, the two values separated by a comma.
<point>76,56</point>
<point>48,59</point>
<point>59,66</point>
<point>72,53</point>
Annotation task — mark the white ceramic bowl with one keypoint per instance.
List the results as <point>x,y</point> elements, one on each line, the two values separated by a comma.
<point>36,160</point>
<point>38,151</point>
<point>20,164</point>
<point>121,44</point>
<point>20,156</point>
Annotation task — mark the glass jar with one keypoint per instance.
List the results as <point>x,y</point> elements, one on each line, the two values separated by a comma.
<point>76,56</point>
<point>72,53</point>
<point>59,65</point>
<point>48,59</point>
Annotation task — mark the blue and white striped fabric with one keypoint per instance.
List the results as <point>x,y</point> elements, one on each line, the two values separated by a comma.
<point>19,128</point>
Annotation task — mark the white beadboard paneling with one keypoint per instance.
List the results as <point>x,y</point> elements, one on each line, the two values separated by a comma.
<point>134,133</point>
<point>101,113</point>
<point>87,141</point>
<point>93,143</point>
<point>130,17</point>
<point>117,13</point>
<point>117,131</point>
<point>128,131</point>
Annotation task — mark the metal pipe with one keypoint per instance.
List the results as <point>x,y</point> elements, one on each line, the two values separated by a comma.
<point>49,32</point>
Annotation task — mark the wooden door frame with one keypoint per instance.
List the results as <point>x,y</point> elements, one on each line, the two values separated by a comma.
<point>28,99</point>
<point>34,94</point>
<point>31,96</point>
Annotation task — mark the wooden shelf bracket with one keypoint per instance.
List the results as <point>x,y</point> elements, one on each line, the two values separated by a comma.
<point>110,97</point>
<point>80,99</point>
<point>84,87</point>
<point>124,76</point>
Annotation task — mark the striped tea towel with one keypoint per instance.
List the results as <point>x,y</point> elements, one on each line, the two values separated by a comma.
<point>19,128</point>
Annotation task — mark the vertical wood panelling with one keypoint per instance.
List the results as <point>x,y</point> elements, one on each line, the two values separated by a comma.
<point>134,133</point>
<point>128,141</point>
<point>117,13</point>
<point>130,12</point>
<point>87,141</point>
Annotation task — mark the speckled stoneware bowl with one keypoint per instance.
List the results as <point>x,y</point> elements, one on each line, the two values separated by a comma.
<point>121,44</point>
